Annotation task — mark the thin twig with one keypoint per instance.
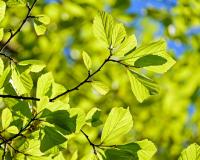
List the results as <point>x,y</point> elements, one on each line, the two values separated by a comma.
<point>12,35</point>
<point>90,142</point>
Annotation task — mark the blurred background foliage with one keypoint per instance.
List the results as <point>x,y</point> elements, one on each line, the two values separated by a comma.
<point>170,119</point>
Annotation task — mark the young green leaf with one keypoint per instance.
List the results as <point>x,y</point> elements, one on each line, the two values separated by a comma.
<point>141,86</point>
<point>118,35</point>
<point>1,33</point>
<point>12,129</point>
<point>100,87</point>
<point>43,84</point>
<point>35,65</point>
<point>87,60</point>
<point>103,27</point>
<point>93,117</point>
<point>22,82</point>
<point>6,118</point>
<point>42,104</point>
<point>44,19</point>
<point>129,43</point>
<point>16,3</point>
<point>40,28</point>
<point>190,153</point>
<point>2,9</point>
<point>1,66</point>
<point>40,23</point>
<point>118,123</point>
<point>80,117</point>
<point>151,63</point>
<point>140,150</point>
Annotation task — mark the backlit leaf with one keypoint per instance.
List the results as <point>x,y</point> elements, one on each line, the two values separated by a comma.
<point>100,87</point>
<point>118,123</point>
<point>87,60</point>
<point>6,118</point>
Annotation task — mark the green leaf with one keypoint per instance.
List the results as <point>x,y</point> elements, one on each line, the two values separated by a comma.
<point>63,120</point>
<point>93,117</point>
<point>141,86</point>
<point>6,118</point>
<point>40,28</point>
<point>35,65</point>
<point>2,10</point>
<point>42,104</point>
<point>1,66</point>
<point>190,153</point>
<point>129,43</point>
<point>140,150</point>
<point>22,82</point>
<point>156,48</point>
<point>1,33</point>
<point>12,129</point>
<point>118,123</point>
<point>87,60</point>
<point>44,84</point>
<point>51,139</point>
<point>33,147</point>
<point>118,35</point>
<point>103,27</point>
<point>16,3</point>
<point>44,19</point>
<point>100,87</point>
<point>149,60</point>
<point>4,76</point>
<point>80,117</point>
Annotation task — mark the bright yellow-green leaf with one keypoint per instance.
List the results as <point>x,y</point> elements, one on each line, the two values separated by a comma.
<point>1,33</point>
<point>191,153</point>
<point>42,103</point>
<point>16,3</point>
<point>156,48</point>
<point>80,117</point>
<point>87,60</point>
<point>118,123</point>
<point>43,19</point>
<point>36,65</point>
<point>100,87</point>
<point>2,9</point>
<point>147,149</point>
<point>40,28</point>
<point>128,44</point>
<point>103,27</point>
<point>12,129</point>
<point>22,82</point>
<point>118,35</point>
<point>141,86</point>
<point>6,118</point>
<point>1,66</point>
<point>44,83</point>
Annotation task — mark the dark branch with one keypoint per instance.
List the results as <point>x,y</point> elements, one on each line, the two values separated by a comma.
<point>20,97</point>
<point>5,141</point>
<point>86,80</point>
<point>90,142</point>
<point>12,35</point>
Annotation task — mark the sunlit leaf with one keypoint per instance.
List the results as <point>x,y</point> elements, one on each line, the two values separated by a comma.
<point>118,123</point>
<point>43,84</point>
<point>140,150</point>
<point>43,19</point>
<point>156,48</point>
<point>2,10</point>
<point>12,129</point>
<point>1,66</point>
<point>87,60</point>
<point>6,118</point>
<point>100,87</point>
<point>16,3</point>
<point>192,152</point>
<point>103,27</point>
<point>141,86</point>
<point>93,117</point>
<point>1,33</point>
